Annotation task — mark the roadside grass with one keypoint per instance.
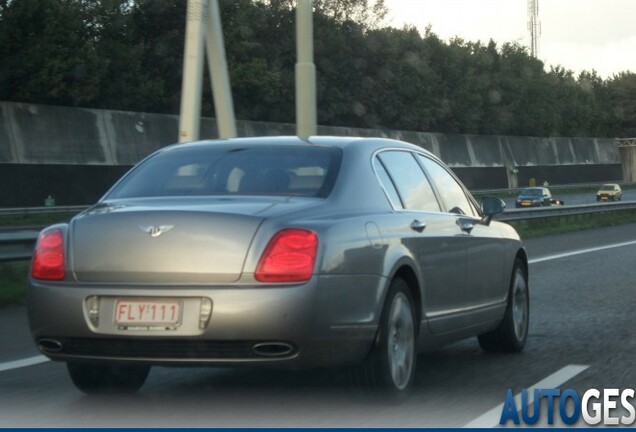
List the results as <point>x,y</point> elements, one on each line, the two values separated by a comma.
<point>41,219</point>
<point>13,280</point>
<point>532,228</point>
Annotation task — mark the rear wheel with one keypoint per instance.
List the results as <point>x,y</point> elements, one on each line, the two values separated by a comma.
<point>390,366</point>
<point>512,333</point>
<point>107,378</point>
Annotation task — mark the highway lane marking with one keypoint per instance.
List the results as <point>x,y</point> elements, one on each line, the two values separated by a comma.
<point>491,418</point>
<point>580,251</point>
<point>23,363</point>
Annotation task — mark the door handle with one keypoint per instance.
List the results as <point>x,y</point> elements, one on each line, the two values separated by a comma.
<point>418,225</point>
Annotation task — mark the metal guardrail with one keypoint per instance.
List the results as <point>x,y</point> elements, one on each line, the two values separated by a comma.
<point>568,210</point>
<point>40,210</point>
<point>17,243</point>
<point>583,186</point>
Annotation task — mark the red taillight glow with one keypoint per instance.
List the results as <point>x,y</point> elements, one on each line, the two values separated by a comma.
<point>289,257</point>
<point>48,258</point>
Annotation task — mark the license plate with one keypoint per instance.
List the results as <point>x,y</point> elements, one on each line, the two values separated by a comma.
<point>525,204</point>
<point>147,312</point>
<point>604,198</point>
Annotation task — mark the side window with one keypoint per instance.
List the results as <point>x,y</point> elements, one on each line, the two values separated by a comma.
<point>387,184</point>
<point>451,191</point>
<point>410,181</point>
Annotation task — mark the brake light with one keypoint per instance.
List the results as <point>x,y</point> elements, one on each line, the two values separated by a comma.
<point>289,257</point>
<point>48,258</point>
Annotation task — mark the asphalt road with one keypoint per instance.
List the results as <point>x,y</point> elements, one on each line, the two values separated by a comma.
<point>582,313</point>
<point>578,198</point>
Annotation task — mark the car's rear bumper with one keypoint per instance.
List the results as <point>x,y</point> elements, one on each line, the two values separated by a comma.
<point>607,197</point>
<point>328,321</point>
<point>527,204</point>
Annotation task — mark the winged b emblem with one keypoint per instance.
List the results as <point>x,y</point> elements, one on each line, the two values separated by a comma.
<point>155,230</point>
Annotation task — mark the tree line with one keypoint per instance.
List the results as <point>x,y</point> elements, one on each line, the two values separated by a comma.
<point>128,54</point>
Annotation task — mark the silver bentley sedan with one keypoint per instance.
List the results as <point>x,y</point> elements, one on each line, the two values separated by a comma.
<point>280,252</point>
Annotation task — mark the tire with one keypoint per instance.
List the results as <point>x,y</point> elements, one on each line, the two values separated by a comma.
<point>93,378</point>
<point>512,333</point>
<point>389,369</point>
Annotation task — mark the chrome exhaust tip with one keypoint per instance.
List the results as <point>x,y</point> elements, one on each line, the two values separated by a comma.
<point>272,349</point>
<point>50,345</point>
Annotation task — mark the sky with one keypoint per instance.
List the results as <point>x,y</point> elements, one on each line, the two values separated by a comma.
<point>576,34</point>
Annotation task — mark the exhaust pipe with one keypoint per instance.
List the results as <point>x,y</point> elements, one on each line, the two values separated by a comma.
<point>50,345</point>
<point>272,349</point>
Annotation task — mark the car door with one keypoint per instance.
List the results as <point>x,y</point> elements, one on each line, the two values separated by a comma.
<point>484,248</point>
<point>428,234</point>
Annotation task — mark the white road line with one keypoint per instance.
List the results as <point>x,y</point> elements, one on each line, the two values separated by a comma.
<point>580,251</point>
<point>492,417</point>
<point>22,363</point>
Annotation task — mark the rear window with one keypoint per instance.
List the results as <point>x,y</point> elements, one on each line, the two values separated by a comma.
<point>531,192</point>
<point>234,170</point>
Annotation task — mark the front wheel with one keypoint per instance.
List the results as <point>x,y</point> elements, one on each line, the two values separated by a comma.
<point>390,366</point>
<point>107,378</point>
<point>512,333</point>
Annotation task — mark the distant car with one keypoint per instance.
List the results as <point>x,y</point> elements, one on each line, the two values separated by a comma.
<point>281,252</point>
<point>536,197</point>
<point>609,192</point>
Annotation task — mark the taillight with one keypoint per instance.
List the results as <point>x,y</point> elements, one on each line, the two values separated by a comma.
<point>48,258</point>
<point>289,257</point>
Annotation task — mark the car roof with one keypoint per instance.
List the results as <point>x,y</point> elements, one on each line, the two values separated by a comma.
<point>342,142</point>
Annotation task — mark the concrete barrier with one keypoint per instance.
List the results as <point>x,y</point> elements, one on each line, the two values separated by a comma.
<point>75,153</point>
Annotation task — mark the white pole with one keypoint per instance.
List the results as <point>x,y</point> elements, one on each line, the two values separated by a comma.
<point>223,105</point>
<point>192,71</point>
<point>306,117</point>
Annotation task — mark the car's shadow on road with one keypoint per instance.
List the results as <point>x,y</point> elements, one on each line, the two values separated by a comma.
<point>458,375</point>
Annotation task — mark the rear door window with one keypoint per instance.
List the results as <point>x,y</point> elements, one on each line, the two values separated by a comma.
<point>450,190</point>
<point>412,185</point>
<point>387,184</point>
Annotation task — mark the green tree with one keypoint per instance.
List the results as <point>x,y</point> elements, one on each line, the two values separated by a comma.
<point>621,101</point>
<point>48,52</point>
<point>128,54</point>
<point>158,30</point>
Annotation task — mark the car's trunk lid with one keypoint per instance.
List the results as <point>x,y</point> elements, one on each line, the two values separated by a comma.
<point>165,243</point>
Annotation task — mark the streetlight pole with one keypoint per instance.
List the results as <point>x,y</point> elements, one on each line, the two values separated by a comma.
<point>189,120</point>
<point>203,26</point>
<point>306,117</point>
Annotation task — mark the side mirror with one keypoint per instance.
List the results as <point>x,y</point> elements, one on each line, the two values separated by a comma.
<point>491,206</point>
